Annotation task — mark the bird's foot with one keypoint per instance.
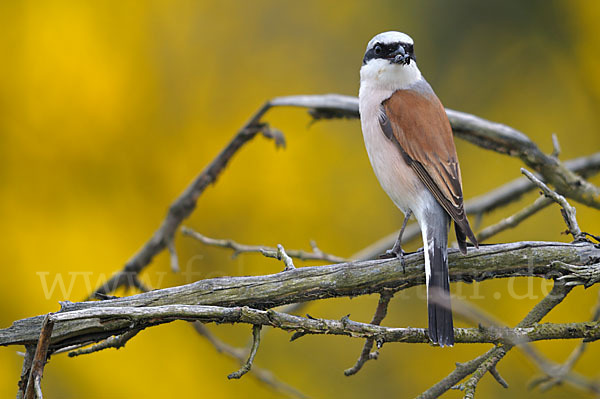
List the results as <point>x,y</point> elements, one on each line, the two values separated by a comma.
<point>395,253</point>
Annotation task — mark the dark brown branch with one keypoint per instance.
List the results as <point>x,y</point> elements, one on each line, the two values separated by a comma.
<point>39,359</point>
<point>26,370</point>
<point>248,364</point>
<point>380,313</point>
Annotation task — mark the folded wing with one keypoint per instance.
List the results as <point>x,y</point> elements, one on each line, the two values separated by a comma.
<point>418,123</point>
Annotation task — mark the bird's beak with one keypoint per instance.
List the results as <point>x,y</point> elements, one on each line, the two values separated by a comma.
<point>400,56</point>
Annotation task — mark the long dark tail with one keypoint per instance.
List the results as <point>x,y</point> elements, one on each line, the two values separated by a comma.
<point>441,328</point>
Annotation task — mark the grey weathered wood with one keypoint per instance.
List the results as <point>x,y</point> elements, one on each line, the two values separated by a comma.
<point>310,283</point>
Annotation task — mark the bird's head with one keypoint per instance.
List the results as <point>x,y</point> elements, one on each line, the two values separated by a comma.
<point>391,47</point>
<point>389,58</point>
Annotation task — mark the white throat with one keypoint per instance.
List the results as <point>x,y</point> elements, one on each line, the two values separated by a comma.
<point>381,75</point>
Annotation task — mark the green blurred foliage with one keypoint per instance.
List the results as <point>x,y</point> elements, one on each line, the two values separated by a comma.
<point>108,109</point>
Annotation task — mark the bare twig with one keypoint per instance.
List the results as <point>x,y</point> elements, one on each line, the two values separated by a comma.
<point>477,316</point>
<point>487,365</point>
<point>39,359</point>
<point>184,205</point>
<point>512,191</point>
<point>549,381</point>
<point>478,206</point>
<point>281,255</point>
<point>568,212</point>
<point>557,294</point>
<point>555,146</point>
<point>173,256</point>
<point>264,376</point>
<point>514,220</point>
<point>248,364</point>
<point>116,341</point>
<point>238,248</point>
<point>380,313</point>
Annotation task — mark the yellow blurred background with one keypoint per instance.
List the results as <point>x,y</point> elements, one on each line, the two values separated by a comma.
<point>109,108</point>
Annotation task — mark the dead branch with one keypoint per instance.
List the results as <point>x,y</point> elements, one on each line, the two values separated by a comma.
<point>568,212</point>
<point>320,282</point>
<point>489,135</point>
<point>551,380</point>
<point>514,220</point>
<point>478,316</point>
<point>244,299</point>
<point>488,359</point>
<point>248,364</point>
<point>478,206</point>
<point>116,341</point>
<point>239,354</point>
<point>39,359</point>
<point>26,370</point>
<point>185,204</point>
<point>366,354</point>
<point>144,317</point>
<point>237,248</point>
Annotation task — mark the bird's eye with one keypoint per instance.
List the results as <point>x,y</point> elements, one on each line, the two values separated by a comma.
<point>378,49</point>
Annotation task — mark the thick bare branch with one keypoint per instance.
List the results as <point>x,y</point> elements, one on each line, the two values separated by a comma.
<point>489,135</point>
<point>143,317</point>
<point>319,282</point>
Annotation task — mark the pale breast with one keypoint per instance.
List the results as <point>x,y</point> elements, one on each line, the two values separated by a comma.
<point>396,178</point>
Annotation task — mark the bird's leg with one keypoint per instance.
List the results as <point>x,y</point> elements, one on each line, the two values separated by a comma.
<point>397,248</point>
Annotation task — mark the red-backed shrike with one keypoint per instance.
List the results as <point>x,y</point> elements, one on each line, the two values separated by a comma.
<point>411,148</point>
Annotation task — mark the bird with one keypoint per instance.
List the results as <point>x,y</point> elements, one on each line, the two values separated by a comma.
<point>409,142</point>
